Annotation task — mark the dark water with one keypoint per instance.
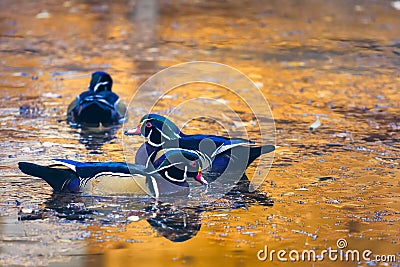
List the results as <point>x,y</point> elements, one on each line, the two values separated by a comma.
<point>338,60</point>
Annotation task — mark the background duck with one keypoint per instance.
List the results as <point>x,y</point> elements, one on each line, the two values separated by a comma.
<point>98,105</point>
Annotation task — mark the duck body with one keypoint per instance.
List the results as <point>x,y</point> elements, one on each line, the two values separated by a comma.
<point>93,109</point>
<point>240,155</point>
<point>96,178</point>
<point>220,153</point>
<point>98,105</point>
<point>166,178</point>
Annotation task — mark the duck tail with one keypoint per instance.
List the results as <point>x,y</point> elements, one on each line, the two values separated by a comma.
<point>60,179</point>
<point>255,152</point>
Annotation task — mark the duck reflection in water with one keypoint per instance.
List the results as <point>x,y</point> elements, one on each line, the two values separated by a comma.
<point>181,224</point>
<point>95,138</point>
<point>177,224</point>
<point>174,223</point>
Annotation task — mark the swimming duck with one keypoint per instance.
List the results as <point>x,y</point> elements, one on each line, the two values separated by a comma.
<point>167,176</point>
<point>217,153</point>
<point>98,105</point>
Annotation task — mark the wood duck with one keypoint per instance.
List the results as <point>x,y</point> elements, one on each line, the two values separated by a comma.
<point>217,153</point>
<point>167,176</point>
<point>98,105</point>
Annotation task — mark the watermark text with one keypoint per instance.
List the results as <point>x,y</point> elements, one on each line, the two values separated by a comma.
<point>339,254</point>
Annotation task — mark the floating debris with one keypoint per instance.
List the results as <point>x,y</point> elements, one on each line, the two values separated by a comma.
<point>325,178</point>
<point>396,5</point>
<point>248,233</point>
<point>31,109</point>
<point>340,135</point>
<point>301,189</point>
<point>20,74</point>
<point>315,124</point>
<point>51,95</point>
<point>259,85</point>
<point>359,8</point>
<point>43,15</point>
<point>220,215</point>
<point>133,218</point>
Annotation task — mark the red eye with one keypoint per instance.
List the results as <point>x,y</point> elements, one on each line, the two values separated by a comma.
<point>193,163</point>
<point>148,124</point>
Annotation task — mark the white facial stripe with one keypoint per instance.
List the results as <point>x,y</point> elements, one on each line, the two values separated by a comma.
<point>153,144</point>
<point>96,87</point>
<point>155,187</point>
<point>204,158</point>
<point>164,167</point>
<point>163,134</point>
<point>177,135</point>
<point>185,173</point>
<point>174,179</point>
<point>148,136</point>
<point>149,158</point>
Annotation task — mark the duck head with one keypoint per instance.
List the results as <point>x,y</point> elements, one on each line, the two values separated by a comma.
<point>177,165</point>
<point>101,81</point>
<point>156,129</point>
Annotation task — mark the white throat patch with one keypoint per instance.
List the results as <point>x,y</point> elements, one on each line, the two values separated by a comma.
<point>96,87</point>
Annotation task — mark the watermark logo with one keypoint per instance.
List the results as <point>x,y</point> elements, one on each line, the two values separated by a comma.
<point>309,255</point>
<point>218,94</point>
<point>341,243</point>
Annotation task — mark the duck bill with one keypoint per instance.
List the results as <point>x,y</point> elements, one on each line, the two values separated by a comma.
<point>133,132</point>
<point>200,178</point>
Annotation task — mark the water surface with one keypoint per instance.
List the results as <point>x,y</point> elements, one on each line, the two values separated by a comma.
<point>338,60</point>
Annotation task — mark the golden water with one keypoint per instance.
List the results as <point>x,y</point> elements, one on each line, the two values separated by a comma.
<point>338,60</point>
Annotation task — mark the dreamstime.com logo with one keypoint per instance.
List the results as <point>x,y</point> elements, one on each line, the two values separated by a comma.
<point>339,254</point>
<point>218,94</point>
